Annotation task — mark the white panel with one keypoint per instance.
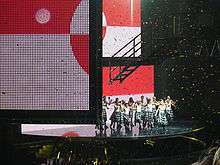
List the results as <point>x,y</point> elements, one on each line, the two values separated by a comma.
<point>80,20</point>
<point>41,72</point>
<point>116,37</point>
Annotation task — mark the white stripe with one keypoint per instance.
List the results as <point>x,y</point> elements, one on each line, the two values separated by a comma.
<point>80,20</point>
<point>136,97</point>
<point>41,72</point>
<point>104,22</point>
<point>38,127</point>
<point>116,37</point>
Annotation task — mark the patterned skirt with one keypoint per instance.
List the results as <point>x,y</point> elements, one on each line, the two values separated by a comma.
<point>150,116</point>
<point>138,116</point>
<point>113,117</point>
<point>104,115</point>
<point>126,118</point>
<point>162,119</point>
<point>118,117</point>
<point>169,114</point>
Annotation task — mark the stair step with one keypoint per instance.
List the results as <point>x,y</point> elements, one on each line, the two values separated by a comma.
<point>129,69</point>
<point>121,75</point>
<point>116,79</point>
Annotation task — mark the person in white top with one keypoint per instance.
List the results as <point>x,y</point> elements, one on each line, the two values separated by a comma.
<point>150,114</point>
<point>138,114</point>
<point>113,118</point>
<point>143,103</point>
<point>169,109</point>
<point>131,105</point>
<point>155,105</point>
<point>162,119</point>
<point>104,112</point>
<point>126,118</point>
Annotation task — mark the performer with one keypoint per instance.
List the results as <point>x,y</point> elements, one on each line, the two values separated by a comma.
<point>169,110</point>
<point>142,101</point>
<point>143,107</point>
<point>126,117</point>
<point>131,106</point>
<point>120,114</point>
<point>138,114</point>
<point>162,119</point>
<point>150,114</point>
<point>104,113</point>
<point>144,112</point>
<point>113,117</point>
<point>155,105</point>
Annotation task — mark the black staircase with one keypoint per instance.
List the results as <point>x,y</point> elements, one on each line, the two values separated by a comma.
<point>131,50</point>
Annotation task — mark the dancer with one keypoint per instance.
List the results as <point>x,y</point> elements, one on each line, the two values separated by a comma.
<point>150,114</point>
<point>143,107</point>
<point>144,112</point>
<point>126,117</point>
<point>131,105</point>
<point>155,105</point>
<point>169,110</point>
<point>113,117</point>
<point>138,114</point>
<point>120,115</point>
<point>104,112</point>
<point>162,119</point>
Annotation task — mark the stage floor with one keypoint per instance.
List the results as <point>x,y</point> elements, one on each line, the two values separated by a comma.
<point>176,128</point>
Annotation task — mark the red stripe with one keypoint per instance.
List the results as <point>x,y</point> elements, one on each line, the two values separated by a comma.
<point>18,16</point>
<point>80,47</point>
<point>118,12</point>
<point>140,81</point>
<point>103,32</point>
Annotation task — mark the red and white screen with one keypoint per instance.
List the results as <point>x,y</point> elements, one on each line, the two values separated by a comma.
<point>121,21</point>
<point>140,82</point>
<point>44,54</point>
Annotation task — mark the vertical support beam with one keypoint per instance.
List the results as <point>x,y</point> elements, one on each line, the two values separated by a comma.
<point>174,25</point>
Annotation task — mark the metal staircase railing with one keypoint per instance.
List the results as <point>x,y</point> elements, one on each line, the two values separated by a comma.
<point>131,50</point>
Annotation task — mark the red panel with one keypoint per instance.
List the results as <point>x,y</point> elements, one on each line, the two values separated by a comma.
<point>122,12</point>
<point>71,134</point>
<point>80,47</point>
<point>18,16</point>
<point>140,81</point>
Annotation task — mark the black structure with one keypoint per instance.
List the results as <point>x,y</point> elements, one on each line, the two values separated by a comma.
<point>172,29</point>
<point>181,38</point>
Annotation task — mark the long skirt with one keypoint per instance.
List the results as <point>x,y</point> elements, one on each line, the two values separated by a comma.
<point>132,116</point>
<point>170,115</point>
<point>138,116</point>
<point>104,116</point>
<point>126,119</point>
<point>162,119</point>
<point>118,117</point>
<point>113,117</point>
<point>150,116</point>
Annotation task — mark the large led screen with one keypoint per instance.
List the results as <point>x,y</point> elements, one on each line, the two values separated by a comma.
<point>44,55</point>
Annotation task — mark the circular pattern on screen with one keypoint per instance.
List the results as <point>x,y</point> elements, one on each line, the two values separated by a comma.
<point>42,16</point>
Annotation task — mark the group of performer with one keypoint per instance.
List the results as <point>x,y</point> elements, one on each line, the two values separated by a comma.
<point>146,112</point>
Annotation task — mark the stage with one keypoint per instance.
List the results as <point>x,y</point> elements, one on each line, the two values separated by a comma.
<point>174,129</point>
